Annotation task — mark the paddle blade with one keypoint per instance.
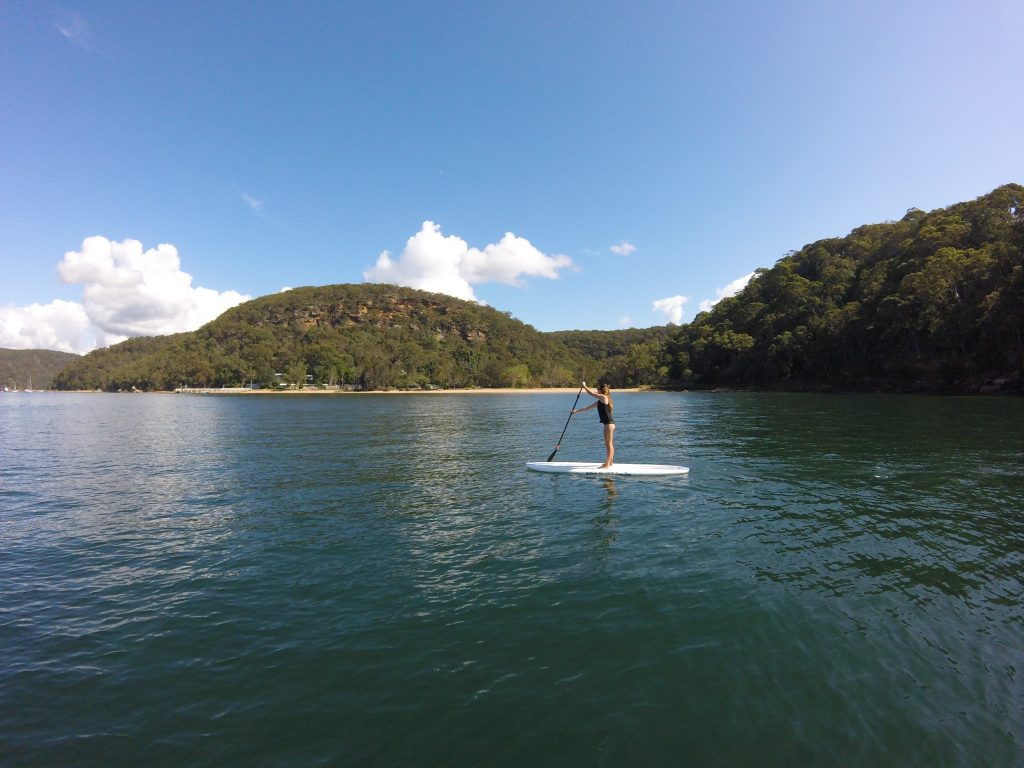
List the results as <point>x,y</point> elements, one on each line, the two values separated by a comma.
<point>552,456</point>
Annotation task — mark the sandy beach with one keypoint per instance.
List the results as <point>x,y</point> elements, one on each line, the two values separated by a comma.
<point>473,391</point>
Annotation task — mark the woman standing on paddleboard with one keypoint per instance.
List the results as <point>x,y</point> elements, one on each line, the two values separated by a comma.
<point>604,413</point>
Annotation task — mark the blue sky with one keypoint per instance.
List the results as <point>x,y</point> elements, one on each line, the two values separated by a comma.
<point>577,162</point>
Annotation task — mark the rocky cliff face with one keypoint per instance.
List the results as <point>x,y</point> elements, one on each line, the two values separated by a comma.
<point>416,314</point>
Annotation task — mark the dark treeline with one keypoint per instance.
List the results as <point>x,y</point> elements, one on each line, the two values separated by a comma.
<point>21,368</point>
<point>627,358</point>
<point>933,302</point>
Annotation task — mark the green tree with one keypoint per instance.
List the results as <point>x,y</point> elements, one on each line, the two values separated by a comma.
<point>516,376</point>
<point>642,365</point>
<point>295,374</point>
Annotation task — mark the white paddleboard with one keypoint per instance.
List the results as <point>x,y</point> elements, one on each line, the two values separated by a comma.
<point>594,468</point>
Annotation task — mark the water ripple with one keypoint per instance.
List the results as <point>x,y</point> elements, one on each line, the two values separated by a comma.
<point>376,580</point>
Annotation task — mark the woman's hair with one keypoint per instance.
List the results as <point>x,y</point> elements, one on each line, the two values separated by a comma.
<point>604,389</point>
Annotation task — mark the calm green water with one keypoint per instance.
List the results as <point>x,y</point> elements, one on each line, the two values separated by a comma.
<point>377,580</point>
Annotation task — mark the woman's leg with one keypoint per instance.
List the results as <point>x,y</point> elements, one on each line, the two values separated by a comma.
<point>609,444</point>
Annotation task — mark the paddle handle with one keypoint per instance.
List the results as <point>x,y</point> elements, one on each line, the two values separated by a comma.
<point>559,443</point>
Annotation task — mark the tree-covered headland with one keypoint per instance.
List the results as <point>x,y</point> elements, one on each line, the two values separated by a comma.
<point>36,368</point>
<point>364,336</point>
<point>933,302</point>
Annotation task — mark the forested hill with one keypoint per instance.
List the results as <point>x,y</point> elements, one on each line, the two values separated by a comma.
<point>364,336</point>
<point>35,368</point>
<point>624,358</point>
<point>933,302</point>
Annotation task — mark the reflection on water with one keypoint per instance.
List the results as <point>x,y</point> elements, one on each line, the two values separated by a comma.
<point>290,579</point>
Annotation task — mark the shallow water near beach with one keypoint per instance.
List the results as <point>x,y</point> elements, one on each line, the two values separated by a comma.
<point>377,580</point>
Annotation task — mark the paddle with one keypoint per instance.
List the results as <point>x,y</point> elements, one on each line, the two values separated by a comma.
<point>559,443</point>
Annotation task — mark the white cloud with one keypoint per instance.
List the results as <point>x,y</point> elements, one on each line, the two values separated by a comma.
<point>429,262</point>
<point>434,262</point>
<point>127,292</point>
<point>131,292</point>
<point>672,307</point>
<point>625,321</point>
<point>624,248</point>
<point>506,261</point>
<point>59,325</point>
<point>731,289</point>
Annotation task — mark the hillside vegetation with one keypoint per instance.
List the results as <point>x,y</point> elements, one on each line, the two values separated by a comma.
<point>626,358</point>
<point>361,336</point>
<point>933,302</point>
<point>20,368</point>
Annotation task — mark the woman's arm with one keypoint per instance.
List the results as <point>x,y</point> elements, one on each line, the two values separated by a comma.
<point>587,408</point>
<point>598,395</point>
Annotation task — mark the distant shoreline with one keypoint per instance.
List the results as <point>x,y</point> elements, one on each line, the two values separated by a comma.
<point>455,391</point>
<point>439,391</point>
